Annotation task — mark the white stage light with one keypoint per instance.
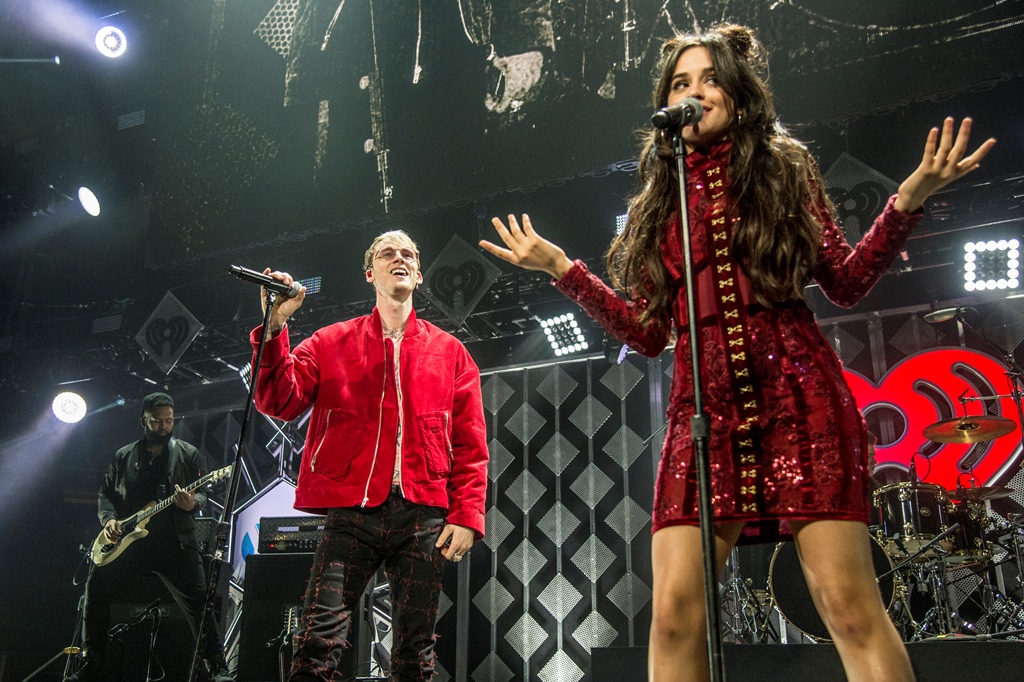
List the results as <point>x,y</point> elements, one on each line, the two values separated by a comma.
<point>110,41</point>
<point>564,334</point>
<point>991,264</point>
<point>89,201</point>
<point>69,407</point>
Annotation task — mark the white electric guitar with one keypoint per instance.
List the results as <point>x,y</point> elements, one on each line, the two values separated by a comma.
<point>134,527</point>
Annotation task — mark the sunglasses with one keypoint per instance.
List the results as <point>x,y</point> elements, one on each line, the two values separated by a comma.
<point>389,253</point>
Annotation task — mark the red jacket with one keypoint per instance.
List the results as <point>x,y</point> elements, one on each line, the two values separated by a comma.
<point>346,373</point>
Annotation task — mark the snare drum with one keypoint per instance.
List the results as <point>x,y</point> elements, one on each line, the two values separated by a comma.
<point>788,588</point>
<point>911,514</point>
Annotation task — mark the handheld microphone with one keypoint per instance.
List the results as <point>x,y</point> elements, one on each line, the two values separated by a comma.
<point>267,281</point>
<point>686,113</point>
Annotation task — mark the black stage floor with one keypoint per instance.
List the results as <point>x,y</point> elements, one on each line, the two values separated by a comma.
<point>948,660</point>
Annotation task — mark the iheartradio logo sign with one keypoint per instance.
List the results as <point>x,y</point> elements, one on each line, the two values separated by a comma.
<point>927,388</point>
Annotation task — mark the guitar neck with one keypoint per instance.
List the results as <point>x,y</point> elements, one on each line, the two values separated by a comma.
<point>163,504</point>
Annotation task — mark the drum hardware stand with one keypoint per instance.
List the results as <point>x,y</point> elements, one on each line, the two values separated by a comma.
<point>998,610</point>
<point>900,615</point>
<point>924,548</point>
<point>1004,608</point>
<point>1017,521</point>
<point>940,614</point>
<point>750,623</point>
<point>1007,612</point>
<point>994,605</point>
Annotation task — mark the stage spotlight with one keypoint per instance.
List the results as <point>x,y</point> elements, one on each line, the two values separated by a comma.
<point>992,264</point>
<point>620,222</point>
<point>69,407</point>
<point>86,199</point>
<point>89,201</point>
<point>564,334</point>
<point>110,41</point>
<point>30,60</point>
<point>117,401</point>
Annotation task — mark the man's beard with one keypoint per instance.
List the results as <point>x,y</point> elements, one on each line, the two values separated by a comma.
<point>153,438</point>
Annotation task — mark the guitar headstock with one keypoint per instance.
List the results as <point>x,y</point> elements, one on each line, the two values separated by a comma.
<point>217,475</point>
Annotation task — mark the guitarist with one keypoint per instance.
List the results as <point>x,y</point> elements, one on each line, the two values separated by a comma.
<point>149,470</point>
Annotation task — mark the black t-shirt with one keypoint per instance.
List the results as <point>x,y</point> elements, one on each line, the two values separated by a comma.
<point>153,486</point>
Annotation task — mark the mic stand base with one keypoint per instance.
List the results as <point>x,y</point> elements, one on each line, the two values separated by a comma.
<point>66,651</point>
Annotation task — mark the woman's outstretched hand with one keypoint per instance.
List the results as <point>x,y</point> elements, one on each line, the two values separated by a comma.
<point>943,162</point>
<point>526,248</point>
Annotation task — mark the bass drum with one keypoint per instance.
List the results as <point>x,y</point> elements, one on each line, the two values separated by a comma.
<point>788,588</point>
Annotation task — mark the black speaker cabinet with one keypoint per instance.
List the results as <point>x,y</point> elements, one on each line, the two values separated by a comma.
<point>275,585</point>
<point>129,653</point>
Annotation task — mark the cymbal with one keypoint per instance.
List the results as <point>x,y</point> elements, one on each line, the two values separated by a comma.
<point>969,429</point>
<point>992,492</point>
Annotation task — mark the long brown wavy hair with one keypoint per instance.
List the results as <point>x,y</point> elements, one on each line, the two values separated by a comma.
<point>772,175</point>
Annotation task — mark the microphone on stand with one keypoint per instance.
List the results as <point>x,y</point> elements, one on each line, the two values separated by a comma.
<point>913,470</point>
<point>686,113</point>
<point>267,281</point>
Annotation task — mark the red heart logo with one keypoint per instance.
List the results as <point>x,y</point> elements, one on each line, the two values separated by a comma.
<point>916,386</point>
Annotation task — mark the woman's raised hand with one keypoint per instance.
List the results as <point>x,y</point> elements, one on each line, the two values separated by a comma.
<point>526,248</point>
<point>943,162</point>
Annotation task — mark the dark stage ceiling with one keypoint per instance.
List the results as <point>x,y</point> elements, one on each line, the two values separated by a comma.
<point>289,133</point>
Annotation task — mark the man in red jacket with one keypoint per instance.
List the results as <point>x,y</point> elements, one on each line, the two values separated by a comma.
<point>395,456</point>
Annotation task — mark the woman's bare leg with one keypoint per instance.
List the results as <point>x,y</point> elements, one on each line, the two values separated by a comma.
<point>836,558</point>
<point>678,646</point>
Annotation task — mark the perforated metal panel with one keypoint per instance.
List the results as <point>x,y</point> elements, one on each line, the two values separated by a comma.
<point>567,563</point>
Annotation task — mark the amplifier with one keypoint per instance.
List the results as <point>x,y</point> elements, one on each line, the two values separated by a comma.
<point>290,534</point>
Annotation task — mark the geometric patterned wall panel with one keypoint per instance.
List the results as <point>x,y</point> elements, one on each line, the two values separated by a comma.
<point>566,564</point>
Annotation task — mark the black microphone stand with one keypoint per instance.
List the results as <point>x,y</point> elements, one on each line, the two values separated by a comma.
<point>154,611</point>
<point>227,517</point>
<point>73,650</point>
<point>700,431</point>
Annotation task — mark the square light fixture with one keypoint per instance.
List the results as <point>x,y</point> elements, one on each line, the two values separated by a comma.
<point>991,265</point>
<point>564,334</point>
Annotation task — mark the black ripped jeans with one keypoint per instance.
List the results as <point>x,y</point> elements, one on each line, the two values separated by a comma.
<point>399,534</point>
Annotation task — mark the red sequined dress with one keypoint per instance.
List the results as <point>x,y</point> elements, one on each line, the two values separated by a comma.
<point>787,440</point>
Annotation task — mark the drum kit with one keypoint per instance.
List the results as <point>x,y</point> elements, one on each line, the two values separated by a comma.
<point>945,567</point>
